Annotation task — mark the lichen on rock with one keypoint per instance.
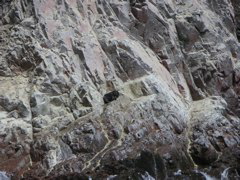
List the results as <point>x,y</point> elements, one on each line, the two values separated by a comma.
<point>119,88</point>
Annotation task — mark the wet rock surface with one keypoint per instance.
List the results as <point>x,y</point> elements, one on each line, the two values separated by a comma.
<point>119,89</point>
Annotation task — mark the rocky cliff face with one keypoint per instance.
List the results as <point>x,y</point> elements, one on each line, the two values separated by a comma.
<point>119,88</point>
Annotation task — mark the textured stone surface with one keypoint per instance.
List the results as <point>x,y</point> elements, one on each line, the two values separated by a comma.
<point>174,64</point>
<point>213,129</point>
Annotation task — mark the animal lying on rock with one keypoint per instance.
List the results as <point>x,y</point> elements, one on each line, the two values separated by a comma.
<point>111,96</point>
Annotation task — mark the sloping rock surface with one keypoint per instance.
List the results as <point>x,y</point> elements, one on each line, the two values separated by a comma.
<point>119,88</point>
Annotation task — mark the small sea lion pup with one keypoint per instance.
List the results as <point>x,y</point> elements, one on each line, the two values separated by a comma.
<point>111,96</point>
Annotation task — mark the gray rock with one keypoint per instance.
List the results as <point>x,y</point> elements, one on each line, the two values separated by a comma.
<point>174,65</point>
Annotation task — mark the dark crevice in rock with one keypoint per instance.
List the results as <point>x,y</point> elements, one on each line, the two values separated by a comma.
<point>236,19</point>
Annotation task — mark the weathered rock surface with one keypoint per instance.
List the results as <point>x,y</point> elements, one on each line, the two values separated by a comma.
<point>214,133</point>
<point>119,88</point>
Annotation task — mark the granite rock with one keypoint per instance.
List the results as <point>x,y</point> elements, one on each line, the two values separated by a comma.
<point>173,63</point>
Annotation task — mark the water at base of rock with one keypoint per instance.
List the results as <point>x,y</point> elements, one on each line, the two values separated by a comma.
<point>3,176</point>
<point>207,176</point>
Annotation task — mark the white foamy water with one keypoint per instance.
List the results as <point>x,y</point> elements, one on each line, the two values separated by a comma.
<point>207,176</point>
<point>147,176</point>
<point>3,176</point>
<point>224,175</point>
<point>178,173</point>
